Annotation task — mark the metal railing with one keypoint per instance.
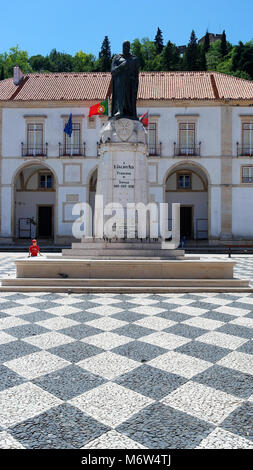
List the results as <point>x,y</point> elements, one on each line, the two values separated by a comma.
<point>244,151</point>
<point>34,150</point>
<point>183,151</point>
<point>72,150</point>
<point>156,150</point>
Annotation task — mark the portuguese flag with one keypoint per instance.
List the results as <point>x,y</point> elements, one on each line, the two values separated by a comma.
<point>99,109</point>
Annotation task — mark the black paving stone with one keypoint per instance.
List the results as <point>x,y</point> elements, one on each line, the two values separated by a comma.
<point>185,330</point>
<point>204,351</point>
<point>69,382</point>
<point>16,349</point>
<point>9,378</point>
<point>63,427</point>
<point>236,330</point>
<point>133,331</point>
<point>226,380</point>
<point>139,351</point>
<point>80,331</point>
<point>150,381</point>
<point>23,331</point>
<point>161,427</point>
<point>75,352</point>
<point>240,421</point>
<point>246,348</point>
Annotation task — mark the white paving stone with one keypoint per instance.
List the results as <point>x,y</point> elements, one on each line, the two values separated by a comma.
<point>8,442</point>
<point>155,323</point>
<point>222,339</point>
<point>36,364</point>
<point>63,310</point>
<point>221,439</point>
<point>143,301</point>
<point>23,402</point>
<point>237,312</point>
<point>180,364</point>
<point>107,340</point>
<point>104,310</point>
<point>204,323</point>
<point>238,361</point>
<point>5,338</point>
<point>106,323</point>
<point>203,402</point>
<point>111,403</point>
<point>217,301</point>
<point>108,364</point>
<point>113,440</point>
<point>22,310</point>
<point>48,340</point>
<point>178,301</point>
<point>29,300</point>
<point>147,310</point>
<point>243,321</point>
<point>105,301</point>
<point>193,311</point>
<point>9,322</point>
<point>165,340</point>
<point>57,323</point>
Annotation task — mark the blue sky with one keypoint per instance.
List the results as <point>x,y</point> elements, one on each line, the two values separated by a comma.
<point>70,26</point>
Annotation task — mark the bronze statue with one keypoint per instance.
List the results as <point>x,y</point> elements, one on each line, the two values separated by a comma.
<point>125,82</point>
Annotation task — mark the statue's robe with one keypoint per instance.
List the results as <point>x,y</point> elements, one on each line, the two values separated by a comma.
<point>125,82</point>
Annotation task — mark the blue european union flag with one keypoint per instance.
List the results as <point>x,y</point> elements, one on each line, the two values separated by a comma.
<point>68,126</point>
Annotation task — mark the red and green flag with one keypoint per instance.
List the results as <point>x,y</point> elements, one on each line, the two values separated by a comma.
<point>145,119</point>
<point>99,109</point>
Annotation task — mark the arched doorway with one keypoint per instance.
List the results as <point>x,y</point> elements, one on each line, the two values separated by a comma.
<point>187,184</point>
<point>92,193</point>
<point>34,202</point>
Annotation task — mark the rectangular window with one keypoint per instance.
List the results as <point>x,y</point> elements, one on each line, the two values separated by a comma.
<point>34,139</point>
<point>152,138</point>
<point>247,174</point>
<point>187,138</point>
<point>45,181</point>
<point>184,181</point>
<point>247,138</point>
<point>72,145</point>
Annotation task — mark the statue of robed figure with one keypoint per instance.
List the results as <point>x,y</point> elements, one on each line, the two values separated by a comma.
<point>125,80</point>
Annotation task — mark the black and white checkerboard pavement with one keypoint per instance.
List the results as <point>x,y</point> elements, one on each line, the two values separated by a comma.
<point>126,371</point>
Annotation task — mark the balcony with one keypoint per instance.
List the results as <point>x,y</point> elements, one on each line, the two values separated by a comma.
<point>72,150</point>
<point>155,151</point>
<point>34,150</point>
<point>191,151</point>
<point>244,150</point>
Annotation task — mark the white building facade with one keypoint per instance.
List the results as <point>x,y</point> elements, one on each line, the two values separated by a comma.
<point>200,152</point>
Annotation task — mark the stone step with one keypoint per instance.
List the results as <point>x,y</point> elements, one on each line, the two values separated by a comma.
<point>125,282</point>
<point>139,245</point>
<point>122,252</point>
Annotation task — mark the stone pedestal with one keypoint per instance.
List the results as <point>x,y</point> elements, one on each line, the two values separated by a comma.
<point>122,177</point>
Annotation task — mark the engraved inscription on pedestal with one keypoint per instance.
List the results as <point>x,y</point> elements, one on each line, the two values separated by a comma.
<point>123,175</point>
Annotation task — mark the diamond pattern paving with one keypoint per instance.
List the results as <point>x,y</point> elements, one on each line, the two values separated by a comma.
<point>150,371</point>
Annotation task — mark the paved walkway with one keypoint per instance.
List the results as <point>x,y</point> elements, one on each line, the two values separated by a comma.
<point>126,371</point>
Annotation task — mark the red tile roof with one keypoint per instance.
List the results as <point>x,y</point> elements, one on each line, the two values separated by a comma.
<point>152,86</point>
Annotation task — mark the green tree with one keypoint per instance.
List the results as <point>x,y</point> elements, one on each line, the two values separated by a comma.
<point>105,56</point>
<point>170,57</point>
<point>39,63</point>
<point>192,53</point>
<point>242,58</point>
<point>207,42</point>
<point>2,73</point>
<point>14,57</point>
<point>60,61</point>
<point>213,56</point>
<point>159,41</point>
<point>223,45</point>
<point>138,50</point>
<point>83,62</point>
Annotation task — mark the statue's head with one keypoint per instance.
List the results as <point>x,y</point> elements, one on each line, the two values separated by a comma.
<point>126,48</point>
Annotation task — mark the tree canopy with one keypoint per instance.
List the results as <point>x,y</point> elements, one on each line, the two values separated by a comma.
<point>153,55</point>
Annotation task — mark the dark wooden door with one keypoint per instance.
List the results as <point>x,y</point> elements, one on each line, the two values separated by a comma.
<point>186,222</point>
<point>45,221</point>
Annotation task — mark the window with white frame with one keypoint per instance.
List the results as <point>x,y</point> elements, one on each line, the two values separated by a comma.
<point>247,174</point>
<point>152,138</point>
<point>72,144</point>
<point>247,137</point>
<point>183,181</point>
<point>34,138</point>
<point>45,181</point>
<point>187,138</point>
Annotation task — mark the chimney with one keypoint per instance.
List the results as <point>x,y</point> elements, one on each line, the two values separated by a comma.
<point>17,75</point>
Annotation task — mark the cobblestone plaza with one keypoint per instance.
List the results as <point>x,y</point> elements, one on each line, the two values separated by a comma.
<point>129,371</point>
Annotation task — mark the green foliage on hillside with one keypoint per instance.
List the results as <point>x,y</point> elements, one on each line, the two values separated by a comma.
<point>153,55</point>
